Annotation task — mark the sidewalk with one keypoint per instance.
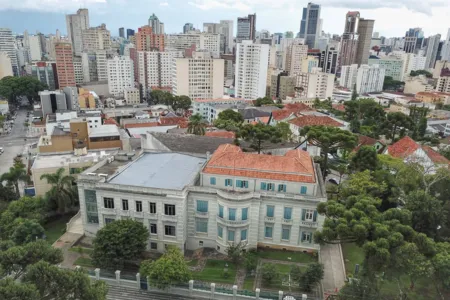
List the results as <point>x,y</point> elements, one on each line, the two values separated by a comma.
<point>68,239</point>
<point>334,271</point>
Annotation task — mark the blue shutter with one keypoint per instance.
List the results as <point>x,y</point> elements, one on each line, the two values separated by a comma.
<point>238,183</point>
<point>303,190</point>
<point>212,181</point>
<point>270,211</point>
<point>244,235</point>
<point>232,214</point>
<point>311,238</point>
<point>219,231</point>
<point>273,187</point>
<point>244,214</point>
<point>263,186</point>
<point>303,214</point>
<point>230,236</point>
<point>221,211</point>
<point>288,213</point>
<point>315,216</point>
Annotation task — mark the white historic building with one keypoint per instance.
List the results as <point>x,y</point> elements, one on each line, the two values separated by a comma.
<point>193,202</point>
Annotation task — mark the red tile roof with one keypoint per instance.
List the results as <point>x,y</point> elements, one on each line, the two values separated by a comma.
<point>435,156</point>
<point>140,125</point>
<point>168,121</point>
<point>366,141</point>
<point>281,114</point>
<point>221,134</point>
<point>403,148</point>
<point>110,121</point>
<point>312,120</point>
<point>296,165</point>
<point>339,107</point>
<point>298,107</point>
<point>264,120</point>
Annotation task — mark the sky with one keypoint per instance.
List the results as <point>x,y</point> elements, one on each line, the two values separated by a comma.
<point>392,17</point>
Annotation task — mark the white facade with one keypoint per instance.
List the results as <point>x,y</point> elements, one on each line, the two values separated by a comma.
<point>294,57</point>
<point>5,65</point>
<point>199,77</point>
<point>203,106</point>
<point>76,23</point>
<point>251,70</point>
<point>202,41</point>
<point>96,38</point>
<point>348,76</point>
<point>7,45</point>
<point>393,67</point>
<point>78,69</point>
<point>120,75</point>
<point>416,84</point>
<point>35,47</point>
<point>443,84</point>
<point>369,79</point>
<point>132,96</point>
<point>316,84</point>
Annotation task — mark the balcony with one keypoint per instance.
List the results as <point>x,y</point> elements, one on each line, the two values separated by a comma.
<point>269,219</point>
<point>231,222</point>
<point>309,224</point>
<point>109,211</point>
<point>138,214</point>
<point>286,221</point>
<point>169,218</point>
<point>200,214</point>
<point>151,216</point>
<point>124,213</point>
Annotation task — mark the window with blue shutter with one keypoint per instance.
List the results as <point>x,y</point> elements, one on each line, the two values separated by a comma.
<point>315,216</point>
<point>244,214</point>
<point>268,232</point>
<point>202,226</point>
<point>230,236</point>
<point>303,214</point>
<point>228,182</point>
<point>202,206</point>
<point>263,186</point>
<point>303,190</point>
<point>285,234</point>
<point>238,183</point>
<point>220,211</point>
<point>282,188</point>
<point>271,186</point>
<point>244,235</point>
<point>212,180</point>
<point>270,211</point>
<point>220,231</point>
<point>288,213</point>
<point>232,214</point>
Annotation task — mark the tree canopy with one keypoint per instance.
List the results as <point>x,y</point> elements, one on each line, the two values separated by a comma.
<point>365,158</point>
<point>259,135</point>
<point>421,72</point>
<point>196,125</point>
<point>62,193</point>
<point>28,86</point>
<point>176,102</point>
<point>263,101</point>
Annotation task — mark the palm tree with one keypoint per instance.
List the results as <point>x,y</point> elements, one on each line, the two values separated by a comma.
<point>196,125</point>
<point>62,193</point>
<point>13,177</point>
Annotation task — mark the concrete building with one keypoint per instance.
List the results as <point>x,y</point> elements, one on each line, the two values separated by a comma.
<point>156,25</point>
<point>132,96</point>
<point>203,106</point>
<point>365,30</point>
<point>309,62</point>
<point>130,33</point>
<point>311,25</point>
<point>251,70</point>
<point>443,82</point>
<point>440,65</point>
<point>76,23</point>
<point>416,84</point>
<point>52,101</point>
<point>329,60</point>
<point>120,75</point>
<point>46,73</point>
<point>122,32</point>
<point>86,100</point>
<point>202,41</point>
<point>23,56</point>
<point>7,45</point>
<point>413,40</point>
<point>227,32</point>
<point>229,67</point>
<point>445,51</point>
<point>393,67</point>
<point>349,40</point>
<point>199,77</point>
<point>78,69</point>
<point>294,58</point>
<point>64,65</point>
<point>282,86</point>
<point>432,50</point>
<point>348,76</point>
<point>369,79</point>
<point>316,84</point>
<point>5,65</point>
<point>188,27</point>
<point>246,28</point>
<point>96,38</point>
<point>147,40</point>
<point>35,47</point>
<point>279,209</point>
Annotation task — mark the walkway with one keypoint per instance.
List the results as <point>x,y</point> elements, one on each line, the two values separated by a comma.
<point>334,270</point>
<point>73,234</point>
<point>122,293</point>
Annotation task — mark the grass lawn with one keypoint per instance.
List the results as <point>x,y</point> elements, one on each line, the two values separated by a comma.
<point>81,250</point>
<point>192,263</point>
<point>248,283</point>
<point>423,288</point>
<point>213,272</point>
<point>298,257</point>
<point>84,262</point>
<point>352,255</point>
<point>56,228</point>
<point>284,271</point>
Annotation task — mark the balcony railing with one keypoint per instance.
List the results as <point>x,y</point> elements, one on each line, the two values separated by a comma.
<point>232,222</point>
<point>309,224</point>
<point>286,221</point>
<point>269,219</point>
<point>201,214</point>
<point>151,216</point>
<point>169,218</point>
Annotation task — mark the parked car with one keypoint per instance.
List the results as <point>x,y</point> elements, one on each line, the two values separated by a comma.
<point>1,150</point>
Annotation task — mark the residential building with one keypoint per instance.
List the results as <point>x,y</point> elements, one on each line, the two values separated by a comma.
<point>365,30</point>
<point>76,23</point>
<point>202,41</point>
<point>35,47</point>
<point>96,38</point>
<point>188,27</point>
<point>7,45</point>
<point>45,72</point>
<point>229,67</point>
<point>78,69</point>
<point>316,84</point>
<point>329,60</point>
<point>279,210</point>
<point>440,65</point>
<point>246,28</point>
<point>251,70</point>
<point>5,65</point>
<point>309,62</point>
<point>432,50</point>
<point>227,32</point>
<point>445,50</point>
<point>206,107</point>
<point>200,76</point>
<point>311,25</point>
<point>294,58</point>
<point>64,65</point>
<point>393,67</point>
<point>120,75</point>
<point>122,32</point>
<point>132,96</point>
<point>348,76</point>
<point>414,62</point>
<point>349,40</point>
<point>52,101</point>
<point>413,40</point>
<point>296,124</point>
<point>282,85</point>
<point>130,33</point>
<point>86,100</point>
<point>416,84</point>
<point>433,97</point>
<point>369,79</point>
<point>23,56</point>
<point>156,25</point>
<point>443,82</point>
<point>148,40</point>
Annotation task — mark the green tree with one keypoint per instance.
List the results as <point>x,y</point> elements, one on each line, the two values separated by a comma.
<point>263,101</point>
<point>285,131</point>
<point>62,192</point>
<point>235,252</point>
<point>360,289</point>
<point>230,115</point>
<point>325,104</point>
<point>169,269</point>
<point>196,125</point>
<point>269,273</point>
<point>28,86</point>
<point>119,241</point>
<point>395,122</point>
<point>421,72</point>
<point>10,289</point>
<point>422,128</point>
<point>296,273</point>
<point>365,158</point>
<point>259,134</point>
<point>27,232</point>
<point>13,177</point>
<point>328,139</point>
<point>311,277</point>
<point>250,261</point>
<point>181,103</point>
<point>391,84</point>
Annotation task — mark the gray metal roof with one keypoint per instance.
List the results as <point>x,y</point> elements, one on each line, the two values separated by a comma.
<point>171,171</point>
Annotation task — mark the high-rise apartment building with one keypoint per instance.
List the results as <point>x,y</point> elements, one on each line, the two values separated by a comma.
<point>96,38</point>
<point>156,25</point>
<point>188,27</point>
<point>393,66</point>
<point>203,41</point>
<point>7,45</point>
<point>130,32</point>
<point>348,76</point>
<point>365,31</point>
<point>78,69</point>
<point>147,40</point>
<point>413,40</point>
<point>310,26</point>
<point>432,50</point>
<point>95,66</point>
<point>122,32</point>
<point>252,61</point>
<point>443,82</point>
<point>329,60</point>
<point>369,79</point>
<point>349,41</point>
<point>445,51</point>
<point>227,32</point>
<point>5,65</point>
<point>64,65</point>
<point>314,85</point>
<point>246,28</point>
<point>199,76</point>
<point>120,75</point>
<point>310,62</point>
<point>76,23</point>
<point>294,58</point>
<point>35,47</point>
<point>282,85</point>
<point>45,72</point>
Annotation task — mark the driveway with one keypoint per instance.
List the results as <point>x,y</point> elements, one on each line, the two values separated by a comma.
<point>334,270</point>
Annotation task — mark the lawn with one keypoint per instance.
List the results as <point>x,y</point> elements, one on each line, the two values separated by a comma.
<point>213,272</point>
<point>248,283</point>
<point>192,263</point>
<point>56,228</point>
<point>84,262</point>
<point>81,250</point>
<point>298,257</point>
<point>284,271</point>
<point>352,255</point>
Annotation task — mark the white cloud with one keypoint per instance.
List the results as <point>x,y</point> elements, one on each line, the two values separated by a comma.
<point>164,4</point>
<point>48,5</point>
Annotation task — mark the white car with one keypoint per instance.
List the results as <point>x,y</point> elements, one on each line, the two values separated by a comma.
<point>1,150</point>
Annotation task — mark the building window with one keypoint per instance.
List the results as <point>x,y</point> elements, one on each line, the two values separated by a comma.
<point>124,204</point>
<point>201,226</point>
<point>91,206</point>
<point>309,215</point>
<point>138,206</point>
<point>244,214</point>
<point>152,206</point>
<point>153,246</point>
<point>202,206</point>
<point>212,181</point>
<point>285,233</point>
<point>306,237</point>
<point>220,231</point>
<point>282,188</point>
<point>169,230</point>
<point>242,184</point>
<point>230,235</point>
<point>220,211</point>
<point>109,202</point>
<point>228,182</point>
<point>270,211</point>
<point>200,243</point>
<point>169,209</point>
<point>267,186</point>
<point>303,190</point>
<point>287,213</point>
<point>268,232</point>
<point>244,235</point>
<point>153,228</point>
<point>109,220</point>
<point>232,214</point>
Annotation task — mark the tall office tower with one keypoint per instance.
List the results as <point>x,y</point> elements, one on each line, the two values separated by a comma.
<point>122,32</point>
<point>369,79</point>
<point>155,24</point>
<point>130,32</point>
<point>310,26</point>
<point>365,30</point>
<point>329,60</point>
<point>246,28</point>
<point>188,27</point>
<point>35,47</point>
<point>7,45</point>
<point>147,40</point>
<point>76,23</point>
<point>120,75</point>
<point>251,70</point>
<point>5,65</point>
<point>202,41</point>
<point>199,76</point>
<point>26,42</point>
<point>227,32</point>
<point>45,73</point>
<point>58,34</point>
<point>349,40</point>
<point>348,76</point>
<point>64,65</point>
<point>277,37</point>
<point>445,51</point>
<point>413,40</point>
<point>432,50</point>
<point>96,38</point>
<point>294,57</point>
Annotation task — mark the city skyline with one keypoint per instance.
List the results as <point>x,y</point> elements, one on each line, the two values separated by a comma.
<point>285,15</point>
